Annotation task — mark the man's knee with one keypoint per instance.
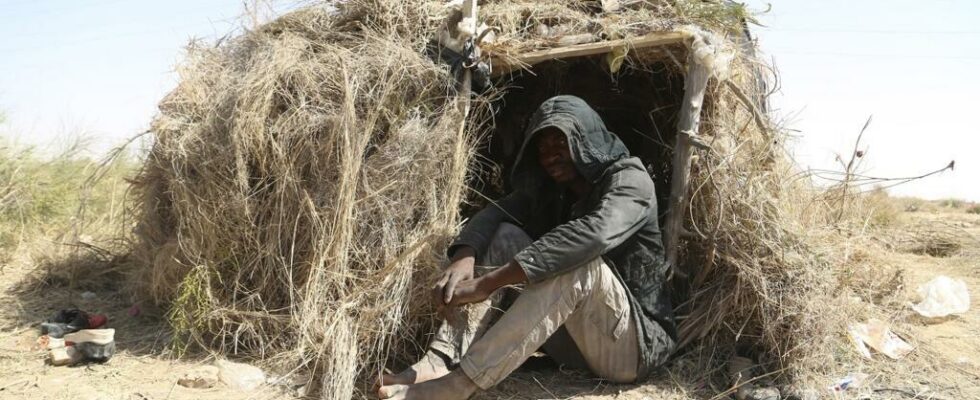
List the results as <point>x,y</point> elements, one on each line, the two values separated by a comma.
<point>572,286</point>
<point>509,233</point>
<point>507,241</point>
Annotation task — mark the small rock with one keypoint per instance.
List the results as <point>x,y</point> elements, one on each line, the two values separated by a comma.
<point>239,376</point>
<point>752,392</point>
<point>800,394</point>
<point>610,6</point>
<point>542,30</point>
<point>740,369</point>
<point>200,378</point>
<point>88,295</point>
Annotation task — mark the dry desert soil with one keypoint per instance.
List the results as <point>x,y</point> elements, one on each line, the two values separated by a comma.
<point>944,365</point>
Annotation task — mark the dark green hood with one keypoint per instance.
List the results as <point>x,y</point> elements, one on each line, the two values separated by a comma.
<point>592,146</point>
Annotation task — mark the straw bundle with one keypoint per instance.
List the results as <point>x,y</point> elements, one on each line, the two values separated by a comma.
<point>306,175</point>
<point>300,174</point>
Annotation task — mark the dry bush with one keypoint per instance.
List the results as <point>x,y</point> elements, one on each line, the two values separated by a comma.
<point>925,237</point>
<point>882,209</point>
<point>302,174</point>
<point>952,203</point>
<point>866,276</point>
<point>63,215</point>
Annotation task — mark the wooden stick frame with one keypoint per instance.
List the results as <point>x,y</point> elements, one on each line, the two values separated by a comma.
<point>689,118</point>
<point>501,64</point>
<point>688,122</point>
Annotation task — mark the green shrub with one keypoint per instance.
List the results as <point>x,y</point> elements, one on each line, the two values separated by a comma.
<point>57,198</point>
<point>952,203</point>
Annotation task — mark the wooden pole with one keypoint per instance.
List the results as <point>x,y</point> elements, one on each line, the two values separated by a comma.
<point>469,12</point>
<point>504,64</point>
<point>461,154</point>
<point>687,127</point>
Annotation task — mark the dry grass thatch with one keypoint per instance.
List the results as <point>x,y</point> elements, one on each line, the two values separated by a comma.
<point>306,176</point>
<point>300,174</point>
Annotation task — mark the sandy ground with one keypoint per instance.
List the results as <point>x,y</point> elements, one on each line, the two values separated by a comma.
<point>944,365</point>
<point>946,361</point>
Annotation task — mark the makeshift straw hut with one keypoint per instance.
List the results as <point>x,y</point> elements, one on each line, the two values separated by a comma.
<point>307,175</point>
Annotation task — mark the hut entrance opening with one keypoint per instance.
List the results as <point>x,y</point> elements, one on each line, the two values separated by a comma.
<point>638,105</point>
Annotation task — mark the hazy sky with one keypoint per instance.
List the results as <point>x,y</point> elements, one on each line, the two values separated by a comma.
<point>913,65</point>
<point>100,66</point>
<point>97,67</point>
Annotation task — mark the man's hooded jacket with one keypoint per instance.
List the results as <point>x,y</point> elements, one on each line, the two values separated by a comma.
<point>617,221</point>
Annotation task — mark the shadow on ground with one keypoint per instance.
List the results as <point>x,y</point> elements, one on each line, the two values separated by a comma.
<point>90,283</point>
<point>31,295</point>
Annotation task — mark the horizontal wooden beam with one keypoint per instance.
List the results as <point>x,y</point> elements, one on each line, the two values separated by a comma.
<point>502,64</point>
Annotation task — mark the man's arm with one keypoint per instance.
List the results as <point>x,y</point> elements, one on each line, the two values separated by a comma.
<point>479,289</point>
<point>627,201</point>
<point>474,239</point>
<point>623,209</point>
<point>480,228</point>
<point>460,269</point>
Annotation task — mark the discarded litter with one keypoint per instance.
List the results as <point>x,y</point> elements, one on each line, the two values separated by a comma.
<point>71,320</point>
<point>752,392</point>
<point>61,356</point>
<point>852,381</point>
<point>72,335</point>
<point>876,334</point>
<point>95,344</point>
<point>88,295</point>
<point>943,296</point>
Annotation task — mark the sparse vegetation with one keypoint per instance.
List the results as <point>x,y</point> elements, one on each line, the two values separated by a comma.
<point>955,204</point>
<point>51,207</point>
<point>883,210</point>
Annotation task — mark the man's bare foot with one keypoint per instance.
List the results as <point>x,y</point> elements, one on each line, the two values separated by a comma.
<point>430,367</point>
<point>455,386</point>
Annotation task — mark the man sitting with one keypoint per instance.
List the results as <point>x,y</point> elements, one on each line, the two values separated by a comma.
<point>580,231</point>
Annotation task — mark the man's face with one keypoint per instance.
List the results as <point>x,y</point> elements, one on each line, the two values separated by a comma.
<point>554,156</point>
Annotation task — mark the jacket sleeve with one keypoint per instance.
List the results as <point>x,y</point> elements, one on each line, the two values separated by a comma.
<point>622,210</point>
<point>479,230</point>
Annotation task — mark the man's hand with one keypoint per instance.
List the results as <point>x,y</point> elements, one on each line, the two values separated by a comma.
<point>460,270</point>
<point>479,289</point>
<point>471,291</point>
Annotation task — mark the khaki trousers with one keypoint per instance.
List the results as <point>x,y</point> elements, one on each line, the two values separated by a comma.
<point>489,343</point>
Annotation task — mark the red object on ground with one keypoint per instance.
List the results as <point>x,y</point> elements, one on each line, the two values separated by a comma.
<point>96,321</point>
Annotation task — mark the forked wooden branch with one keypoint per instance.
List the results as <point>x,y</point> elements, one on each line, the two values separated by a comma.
<point>688,122</point>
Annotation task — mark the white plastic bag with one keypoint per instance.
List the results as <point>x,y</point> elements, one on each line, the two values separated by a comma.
<point>876,334</point>
<point>943,296</point>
